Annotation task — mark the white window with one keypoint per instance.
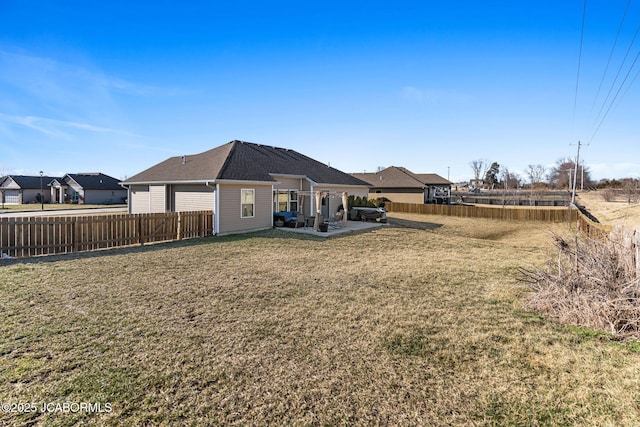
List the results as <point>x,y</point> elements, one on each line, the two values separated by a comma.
<point>281,201</point>
<point>285,200</point>
<point>247,203</point>
<point>293,200</point>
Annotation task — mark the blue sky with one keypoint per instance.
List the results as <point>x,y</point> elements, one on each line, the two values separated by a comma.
<point>117,86</point>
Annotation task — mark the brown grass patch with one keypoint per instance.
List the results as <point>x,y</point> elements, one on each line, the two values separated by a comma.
<point>611,212</point>
<point>416,323</point>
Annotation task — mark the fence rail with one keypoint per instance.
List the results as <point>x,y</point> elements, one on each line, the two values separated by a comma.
<point>506,213</point>
<point>584,224</point>
<point>30,236</point>
<point>591,228</point>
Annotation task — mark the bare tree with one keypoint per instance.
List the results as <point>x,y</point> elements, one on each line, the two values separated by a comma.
<point>563,171</point>
<point>536,174</point>
<point>477,167</point>
<point>631,189</point>
<point>509,179</point>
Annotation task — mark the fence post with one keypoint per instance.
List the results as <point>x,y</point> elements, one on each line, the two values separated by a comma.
<point>179,236</point>
<point>140,239</point>
<point>76,235</point>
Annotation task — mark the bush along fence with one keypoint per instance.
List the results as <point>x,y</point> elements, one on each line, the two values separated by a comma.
<point>31,236</point>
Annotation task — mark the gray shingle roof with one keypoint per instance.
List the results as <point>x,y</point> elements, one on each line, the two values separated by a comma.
<point>243,161</point>
<point>94,181</point>
<point>399,177</point>
<point>432,179</point>
<point>30,182</point>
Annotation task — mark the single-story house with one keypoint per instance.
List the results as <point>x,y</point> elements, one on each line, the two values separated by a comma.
<point>244,184</point>
<point>87,188</point>
<point>19,189</point>
<point>398,184</point>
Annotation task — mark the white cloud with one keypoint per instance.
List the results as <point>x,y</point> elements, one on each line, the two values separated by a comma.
<point>53,127</point>
<point>614,170</point>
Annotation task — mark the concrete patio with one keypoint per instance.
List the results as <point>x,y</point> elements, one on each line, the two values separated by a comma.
<point>332,231</point>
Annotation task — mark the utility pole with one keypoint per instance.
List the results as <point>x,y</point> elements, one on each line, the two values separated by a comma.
<point>41,191</point>
<point>575,175</point>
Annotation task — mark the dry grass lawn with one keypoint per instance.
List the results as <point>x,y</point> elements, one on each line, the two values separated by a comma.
<point>617,212</point>
<point>417,323</point>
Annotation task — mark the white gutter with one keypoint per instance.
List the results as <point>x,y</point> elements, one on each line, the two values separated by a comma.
<point>199,181</point>
<point>216,205</point>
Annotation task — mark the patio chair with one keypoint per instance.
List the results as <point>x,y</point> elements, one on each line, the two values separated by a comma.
<point>301,219</point>
<point>337,220</point>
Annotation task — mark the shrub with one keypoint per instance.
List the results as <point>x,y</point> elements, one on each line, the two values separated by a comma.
<point>592,284</point>
<point>608,194</point>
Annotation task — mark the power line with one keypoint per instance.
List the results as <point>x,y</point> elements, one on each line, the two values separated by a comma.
<point>616,96</point>
<point>615,80</point>
<point>613,48</point>
<point>633,80</point>
<point>575,99</point>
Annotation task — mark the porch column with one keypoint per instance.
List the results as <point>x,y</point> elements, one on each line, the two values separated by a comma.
<point>345,212</point>
<point>316,222</point>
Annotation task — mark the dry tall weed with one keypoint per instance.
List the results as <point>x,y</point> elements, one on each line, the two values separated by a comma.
<point>592,283</point>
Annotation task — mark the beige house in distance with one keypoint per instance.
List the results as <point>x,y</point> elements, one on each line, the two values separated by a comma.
<point>19,189</point>
<point>400,185</point>
<point>243,183</point>
<point>93,188</point>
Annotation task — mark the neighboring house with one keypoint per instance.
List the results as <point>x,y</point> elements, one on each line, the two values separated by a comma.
<point>476,185</point>
<point>243,184</point>
<point>87,188</point>
<point>400,185</point>
<point>19,189</point>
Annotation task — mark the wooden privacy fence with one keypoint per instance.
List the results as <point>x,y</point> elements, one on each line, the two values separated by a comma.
<point>30,236</point>
<point>591,228</point>
<point>506,213</point>
<point>584,224</point>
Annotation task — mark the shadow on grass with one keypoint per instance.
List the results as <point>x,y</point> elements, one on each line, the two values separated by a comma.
<point>158,246</point>
<point>417,225</point>
<point>209,240</point>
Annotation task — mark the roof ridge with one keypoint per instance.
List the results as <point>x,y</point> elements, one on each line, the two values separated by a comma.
<point>409,173</point>
<point>234,145</point>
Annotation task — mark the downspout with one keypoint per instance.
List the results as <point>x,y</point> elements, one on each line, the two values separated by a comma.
<point>128,187</point>
<point>216,206</point>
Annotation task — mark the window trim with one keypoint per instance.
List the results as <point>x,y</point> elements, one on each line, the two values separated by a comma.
<point>253,203</point>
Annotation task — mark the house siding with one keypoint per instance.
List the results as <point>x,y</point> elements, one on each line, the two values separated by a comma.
<point>139,202</point>
<point>157,198</point>
<point>104,197</point>
<point>229,214</point>
<point>31,196</point>
<point>192,198</point>
<point>289,183</point>
<point>399,195</point>
<point>75,188</point>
